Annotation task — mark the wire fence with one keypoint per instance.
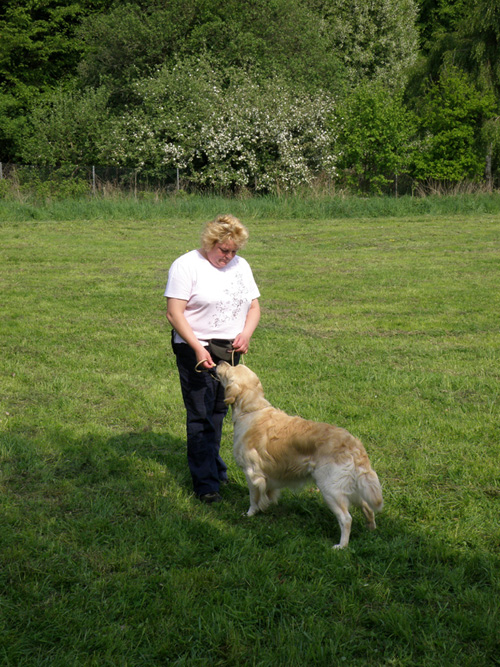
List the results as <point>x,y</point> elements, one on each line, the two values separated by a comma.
<point>76,180</point>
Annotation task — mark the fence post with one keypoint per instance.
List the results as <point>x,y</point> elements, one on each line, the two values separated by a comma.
<point>177,179</point>
<point>93,180</point>
<point>1,171</point>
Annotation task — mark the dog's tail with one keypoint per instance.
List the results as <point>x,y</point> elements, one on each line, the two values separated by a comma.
<point>370,490</point>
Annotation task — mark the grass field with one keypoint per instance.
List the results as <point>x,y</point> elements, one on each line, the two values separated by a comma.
<point>388,326</point>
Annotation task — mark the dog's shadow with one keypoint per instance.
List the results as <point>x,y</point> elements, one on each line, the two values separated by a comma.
<point>302,513</point>
<point>154,464</point>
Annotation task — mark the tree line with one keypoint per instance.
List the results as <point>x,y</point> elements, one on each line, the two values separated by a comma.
<point>265,95</point>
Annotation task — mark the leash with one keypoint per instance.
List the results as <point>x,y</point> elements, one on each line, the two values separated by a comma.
<point>203,370</point>
<point>209,370</point>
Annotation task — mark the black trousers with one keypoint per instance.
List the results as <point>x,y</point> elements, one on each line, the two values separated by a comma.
<point>203,397</point>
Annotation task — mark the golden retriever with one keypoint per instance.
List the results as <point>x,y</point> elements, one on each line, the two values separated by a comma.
<point>275,451</point>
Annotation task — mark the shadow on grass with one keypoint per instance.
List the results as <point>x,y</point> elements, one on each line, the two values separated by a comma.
<point>93,518</point>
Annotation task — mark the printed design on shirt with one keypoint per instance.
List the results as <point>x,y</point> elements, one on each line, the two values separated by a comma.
<point>231,307</point>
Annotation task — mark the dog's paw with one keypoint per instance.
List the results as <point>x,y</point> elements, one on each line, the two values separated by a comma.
<point>339,546</point>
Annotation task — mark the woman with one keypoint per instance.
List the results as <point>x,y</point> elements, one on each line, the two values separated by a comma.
<point>211,294</point>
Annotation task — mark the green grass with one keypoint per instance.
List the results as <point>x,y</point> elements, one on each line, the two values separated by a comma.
<point>150,206</point>
<point>385,325</point>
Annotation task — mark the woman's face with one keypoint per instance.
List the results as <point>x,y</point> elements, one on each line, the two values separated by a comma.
<point>222,253</point>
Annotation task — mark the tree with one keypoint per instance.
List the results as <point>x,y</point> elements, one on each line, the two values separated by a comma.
<point>376,40</point>
<point>460,33</point>
<point>374,141</point>
<point>451,122</point>
<point>271,37</point>
<point>224,129</point>
<point>482,29</point>
<point>437,19</point>
<point>38,51</point>
<point>66,127</point>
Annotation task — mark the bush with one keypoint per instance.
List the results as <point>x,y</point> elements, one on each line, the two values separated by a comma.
<point>48,184</point>
<point>375,137</point>
<point>454,111</point>
<point>225,130</point>
<point>65,128</point>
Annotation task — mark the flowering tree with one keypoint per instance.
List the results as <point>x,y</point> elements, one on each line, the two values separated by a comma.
<point>224,130</point>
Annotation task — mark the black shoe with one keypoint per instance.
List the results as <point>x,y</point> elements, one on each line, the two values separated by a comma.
<point>209,498</point>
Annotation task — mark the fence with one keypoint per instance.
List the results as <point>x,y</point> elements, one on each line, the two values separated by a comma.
<point>75,180</point>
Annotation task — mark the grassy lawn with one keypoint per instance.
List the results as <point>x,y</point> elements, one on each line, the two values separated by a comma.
<point>388,326</point>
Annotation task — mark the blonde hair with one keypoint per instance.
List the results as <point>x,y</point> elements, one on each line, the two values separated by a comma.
<point>224,228</point>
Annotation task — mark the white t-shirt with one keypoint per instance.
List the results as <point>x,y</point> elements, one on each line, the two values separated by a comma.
<point>218,300</point>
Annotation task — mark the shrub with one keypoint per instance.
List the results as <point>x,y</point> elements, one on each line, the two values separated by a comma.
<point>375,135</point>
<point>44,184</point>
<point>451,120</point>
<point>225,130</point>
<point>65,128</point>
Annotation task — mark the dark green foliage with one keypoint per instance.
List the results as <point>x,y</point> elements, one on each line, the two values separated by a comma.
<point>131,41</point>
<point>438,18</point>
<point>463,34</point>
<point>73,76</point>
<point>38,46</point>
<point>483,31</point>
<point>66,127</point>
<point>39,49</point>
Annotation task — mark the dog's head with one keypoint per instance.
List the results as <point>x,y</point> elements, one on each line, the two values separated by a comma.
<point>242,387</point>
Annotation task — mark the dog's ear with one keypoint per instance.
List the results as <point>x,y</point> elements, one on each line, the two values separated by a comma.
<point>232,391</point>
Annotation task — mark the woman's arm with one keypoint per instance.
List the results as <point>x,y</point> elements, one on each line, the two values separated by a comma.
<point>176,317</point>
<point>242,340</point>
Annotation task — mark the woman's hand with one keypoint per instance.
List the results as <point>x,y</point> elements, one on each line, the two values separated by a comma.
<point>241,343</point>
<point>203,356</point>
<point>176,317</point>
